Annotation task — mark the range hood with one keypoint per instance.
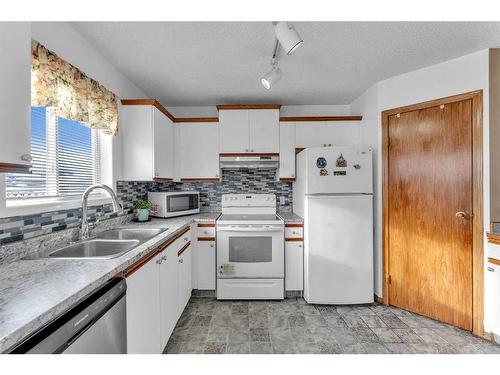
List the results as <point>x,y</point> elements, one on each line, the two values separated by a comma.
<point>249,161</point>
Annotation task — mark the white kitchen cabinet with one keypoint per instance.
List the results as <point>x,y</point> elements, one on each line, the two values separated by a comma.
<point>264,130</point>
<point>184,276</point>
<point>247,131</point>
<point>147,143</point>
<point>492,304</point>
<point>329,133</point>
<point>205,271</point>
<point>15,86</point>
<point>234,131</point>
<point>287,150</point>
<point>294,265</point>
<point>143,309</point>
<point>168,293</point>
<point>199,150</point>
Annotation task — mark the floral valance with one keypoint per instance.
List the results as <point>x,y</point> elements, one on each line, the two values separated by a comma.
<point>58,84</point>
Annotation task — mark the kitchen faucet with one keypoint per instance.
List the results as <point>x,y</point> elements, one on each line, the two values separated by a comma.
<point>84,233</point>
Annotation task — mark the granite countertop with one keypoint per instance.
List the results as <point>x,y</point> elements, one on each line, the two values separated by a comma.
<point>34,292</point>
<point>290,217</point>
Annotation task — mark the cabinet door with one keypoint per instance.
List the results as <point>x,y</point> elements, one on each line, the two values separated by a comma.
<point>15,63</point>
<point>168,293</point>
<point>199,151</point>
<point>233,131</point>
<point>264,130</point>
<point>136,135</point>
<point>309,134</point>
<point>184,276</point>
<point>294,265</point>
<point>287,150</point>
<point>206,265</point>
<point>163,153</point>
<point>330,133</point>
<point>143,309</point>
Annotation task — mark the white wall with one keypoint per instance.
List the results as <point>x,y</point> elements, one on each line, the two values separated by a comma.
<point>62,39</point>
<point>464,74</point>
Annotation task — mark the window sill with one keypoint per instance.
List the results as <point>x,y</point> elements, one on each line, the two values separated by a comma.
<point>29,207</point>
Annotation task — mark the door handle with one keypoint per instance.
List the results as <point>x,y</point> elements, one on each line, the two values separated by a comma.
<point>463,215</point>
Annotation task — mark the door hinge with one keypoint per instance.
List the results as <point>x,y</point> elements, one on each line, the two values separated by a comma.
<point>389,279</point>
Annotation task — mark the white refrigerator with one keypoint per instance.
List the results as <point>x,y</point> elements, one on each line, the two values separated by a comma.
<point>333,192</point>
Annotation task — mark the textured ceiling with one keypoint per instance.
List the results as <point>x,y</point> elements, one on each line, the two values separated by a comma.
<point>206,63</point>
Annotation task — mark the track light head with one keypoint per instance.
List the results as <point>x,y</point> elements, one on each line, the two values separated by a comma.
<point>288,37</point>
<point>271,77</point>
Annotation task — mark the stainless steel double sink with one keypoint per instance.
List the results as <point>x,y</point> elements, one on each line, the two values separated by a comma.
<point>108,244</point>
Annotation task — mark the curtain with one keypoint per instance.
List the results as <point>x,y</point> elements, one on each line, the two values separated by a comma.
<point>75,96</point>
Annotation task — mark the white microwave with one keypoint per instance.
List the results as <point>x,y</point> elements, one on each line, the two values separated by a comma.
<point>174,203</point>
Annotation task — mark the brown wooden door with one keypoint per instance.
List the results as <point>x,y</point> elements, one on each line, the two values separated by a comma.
<point>430,180</point>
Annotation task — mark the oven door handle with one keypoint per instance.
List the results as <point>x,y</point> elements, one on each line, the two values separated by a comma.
<point>250,229</point>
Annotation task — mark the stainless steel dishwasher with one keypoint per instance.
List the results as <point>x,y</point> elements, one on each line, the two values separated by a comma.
<point>96,325</point>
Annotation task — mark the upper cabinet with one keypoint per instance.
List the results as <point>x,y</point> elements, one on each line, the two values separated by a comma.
<point>249,129</point>
<point>198,151</point>
<point>15,60</point>
<point>326,133</point>
<point>147,142</point>
<point>287,151</point>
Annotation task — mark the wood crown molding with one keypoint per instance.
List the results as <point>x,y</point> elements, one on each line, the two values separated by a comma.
<point>320,118</point>
<point>199,179</point>
<point>206,225</point>
<point>153,102</point>
<point>196,119</point>
<point>294,225</point>
<point>247,106</point>
<point>287,179</point>
<point>14,168</point>
<point>493,238</point>
<point>184,248</point>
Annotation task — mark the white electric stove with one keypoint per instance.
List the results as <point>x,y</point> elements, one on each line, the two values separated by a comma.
<point>250,248</point>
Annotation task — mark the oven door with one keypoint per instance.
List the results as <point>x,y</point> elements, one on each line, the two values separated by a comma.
<point>250,251</point>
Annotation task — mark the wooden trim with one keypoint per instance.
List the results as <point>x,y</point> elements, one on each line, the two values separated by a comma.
<point>248,106</point>
<point>299,149</point>
<point>161,179</point>
<point>294,239</point>
<point>477,199</point>
<point>287,179</point>
<point>493,238</point>
<point>14,168</point>
<point>294,225</point>
<point>153,102</point>
<point>207,225</point>
<point>319,118</point>
<point>494,261</point>
<point>196,119</point>
<point>206,238</point>
<point>487,336</point>
<point>137,265</point>
<point>172,239</point>
<point>378,299</point>
<point>199,179</point>
<point>184,248</point>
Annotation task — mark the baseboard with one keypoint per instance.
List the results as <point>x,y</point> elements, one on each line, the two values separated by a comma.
<point>378,299</point>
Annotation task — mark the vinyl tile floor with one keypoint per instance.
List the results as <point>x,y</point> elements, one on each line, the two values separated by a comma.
<point>293,327</point>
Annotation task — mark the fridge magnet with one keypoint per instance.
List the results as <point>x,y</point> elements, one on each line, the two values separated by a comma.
<point>323,172</point>
<point>321,162</point>
<point>341,162</point>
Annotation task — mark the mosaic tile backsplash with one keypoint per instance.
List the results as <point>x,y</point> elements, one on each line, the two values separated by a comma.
<point>17,228</point>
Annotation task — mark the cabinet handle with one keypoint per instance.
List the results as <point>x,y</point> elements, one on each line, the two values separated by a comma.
<point>159,261</point>
<point>26,157</point>
<point>164,257</point>
<point>186,239</point>
<point>491,269</point>
<point>211,245</point>
<point>300,245</point>
<point>246,150</point>
<point>181,260</point>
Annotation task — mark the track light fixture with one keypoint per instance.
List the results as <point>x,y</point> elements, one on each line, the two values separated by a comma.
<point>288,38</point>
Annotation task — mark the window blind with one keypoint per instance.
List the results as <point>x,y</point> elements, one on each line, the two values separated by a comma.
<point>65,158</point>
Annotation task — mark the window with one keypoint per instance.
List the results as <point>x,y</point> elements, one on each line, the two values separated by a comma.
<point>66,159</point>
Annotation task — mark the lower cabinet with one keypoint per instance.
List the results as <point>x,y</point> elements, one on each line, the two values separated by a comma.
<point>185,285</point>
<point>294,265</point>
<point>206,263</point>
<point>158,289</point>
<point>169,286</point>
<point>143,309</point>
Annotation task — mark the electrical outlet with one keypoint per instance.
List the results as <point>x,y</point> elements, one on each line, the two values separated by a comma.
<point>282,200</point>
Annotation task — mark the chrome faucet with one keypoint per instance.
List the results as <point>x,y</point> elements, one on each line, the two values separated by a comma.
<point>85,229</point>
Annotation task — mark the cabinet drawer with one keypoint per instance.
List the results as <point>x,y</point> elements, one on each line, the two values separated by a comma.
<point>294,232</point>
<point>206,230</point>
